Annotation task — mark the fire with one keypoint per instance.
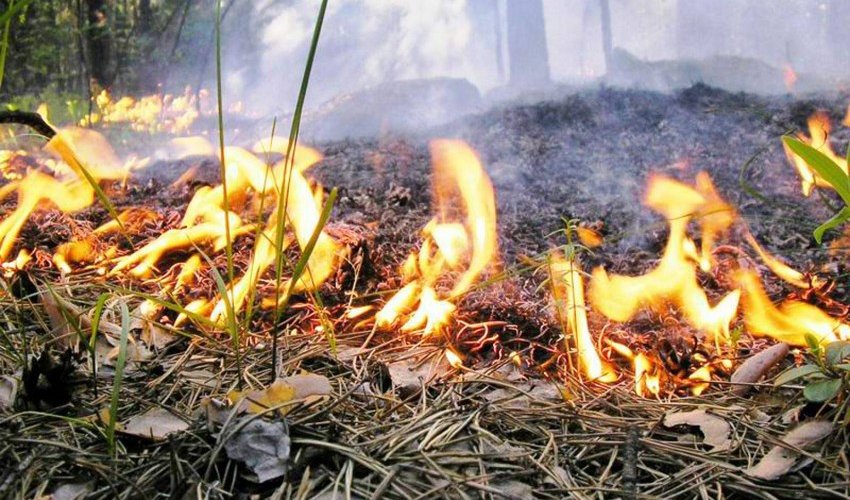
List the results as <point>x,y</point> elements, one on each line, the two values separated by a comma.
<point>819,130</point>
<point>791,321</point>
<point>674,280</point>
<point>568,294</point>
<point>450,242</point>
<point>782,270</point>
<point>84,156</point>
<point>789,76</point>
<point>154,113</point>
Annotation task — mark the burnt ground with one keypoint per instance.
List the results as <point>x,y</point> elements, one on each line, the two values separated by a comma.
<point>583,156</point>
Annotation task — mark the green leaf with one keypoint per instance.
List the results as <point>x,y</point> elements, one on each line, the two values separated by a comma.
<point>120,362</point>
<point>835,221</point>
<point>836,352</point>
<point>814,344</point>
<point>842,366</point>
<point>822,390</point>
<point>821,164</point>
<point>795,373</point>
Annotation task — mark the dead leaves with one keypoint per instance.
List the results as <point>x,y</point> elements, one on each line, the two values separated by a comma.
<point>282,392</point>
<point>753,369</point>
<point>716,431</point>
<point>155,424</point>
<point>262,445</point>
<point>782,458</point>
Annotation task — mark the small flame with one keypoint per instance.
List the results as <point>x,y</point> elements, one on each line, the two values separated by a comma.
<point>789,76</point>
<point>647,376</point>
<point>568,294</point>
<point>449,243</point>
<point>791,321</point>
<point>454,358</point>
<point>819,130</point>
<point>782,270</point>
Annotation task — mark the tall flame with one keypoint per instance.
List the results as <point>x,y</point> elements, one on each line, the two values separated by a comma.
<point>568,294</point>
<point>449,242</point>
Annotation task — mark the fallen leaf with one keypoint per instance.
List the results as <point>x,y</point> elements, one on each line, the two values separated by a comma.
<point>8,391</point>
<point>514,490</point>
<point>715,430</point>
<point>282,391</point>
<point>261,445</point>
<point>753,369</point>
<point>782,458</point>
<point>412,373</point>
<point>73,491</point>
<point>154,424</point>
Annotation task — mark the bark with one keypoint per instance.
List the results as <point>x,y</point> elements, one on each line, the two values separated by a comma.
<point>145,17</point>
<point>528,55</point>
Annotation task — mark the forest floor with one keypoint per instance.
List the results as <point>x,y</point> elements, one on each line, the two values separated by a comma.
<point>399,422</point>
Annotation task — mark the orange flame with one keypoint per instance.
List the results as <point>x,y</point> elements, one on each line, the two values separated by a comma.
<point>448,243</point>
<point>568,294</point>
<point>791,321</point>
<point>674,280</point>
<point>819,130</point>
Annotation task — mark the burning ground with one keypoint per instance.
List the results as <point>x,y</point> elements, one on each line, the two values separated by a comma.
<point>466,386</point>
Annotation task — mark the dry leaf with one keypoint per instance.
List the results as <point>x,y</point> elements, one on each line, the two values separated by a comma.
<point>283,390</point>
<point>781,459</point>
<point>154,424</point>
<point>8,391</point>
<point>410,374</point>
<point>261,445</point>
<point>753,369</point>
<point>715,430</point>
<point>72,491</point>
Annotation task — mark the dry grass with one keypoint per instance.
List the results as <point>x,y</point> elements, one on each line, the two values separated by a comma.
<point>486,431</point>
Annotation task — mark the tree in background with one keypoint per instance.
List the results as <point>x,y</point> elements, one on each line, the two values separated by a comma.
<point>528,55</point>
<point>99,43</point>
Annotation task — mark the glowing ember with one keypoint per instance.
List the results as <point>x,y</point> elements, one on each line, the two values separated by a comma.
<point>454,358</point>
<point>789,76</point>
<point>819,130</point>
<point>674,280</point>
<point>568,294</point>
<point>448,243</point>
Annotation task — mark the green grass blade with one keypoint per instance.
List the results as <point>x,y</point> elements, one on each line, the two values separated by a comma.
<point>6,21</point>
<point>119,377</point>
<point>303,260</point>
<point>223,164</point>
<point>821,164</point>
<point>283,194</point>
<point>836,220</point>
<point>95,325</point>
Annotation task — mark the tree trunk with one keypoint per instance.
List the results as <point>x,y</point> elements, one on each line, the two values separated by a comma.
<point>528,57</point>
<point>145,17</point>
<point>607,35</point>
<point>99,41</point>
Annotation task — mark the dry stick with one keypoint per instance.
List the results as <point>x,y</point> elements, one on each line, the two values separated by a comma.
<point>630,455</point>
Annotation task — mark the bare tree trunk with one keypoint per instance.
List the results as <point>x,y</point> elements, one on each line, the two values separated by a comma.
<point>607,35</point>
<point>145,17</point>
<point>100,44</point>
<point>528,56</point>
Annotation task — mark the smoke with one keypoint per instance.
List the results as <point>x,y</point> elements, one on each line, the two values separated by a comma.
<point>662,45</point>
<point>368,42</point>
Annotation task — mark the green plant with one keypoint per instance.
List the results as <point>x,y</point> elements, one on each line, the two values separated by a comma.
<point>826,374</point>
<point>831,173</point>
<point>120,363</point>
